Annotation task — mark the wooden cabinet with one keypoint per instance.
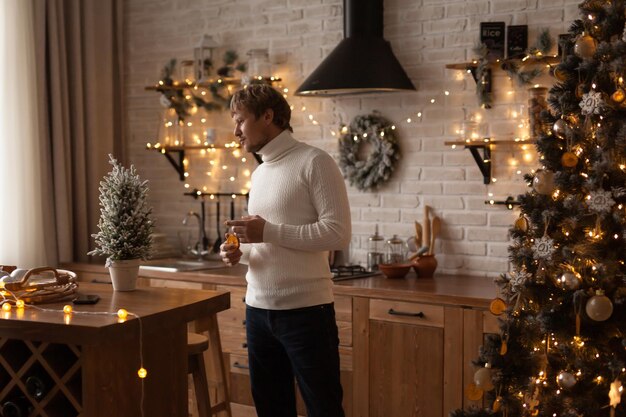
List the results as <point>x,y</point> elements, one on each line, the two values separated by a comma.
<point>407,358</point>
<point>406,345</point>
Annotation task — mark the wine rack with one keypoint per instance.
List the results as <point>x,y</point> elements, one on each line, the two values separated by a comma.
<point>57,366</point>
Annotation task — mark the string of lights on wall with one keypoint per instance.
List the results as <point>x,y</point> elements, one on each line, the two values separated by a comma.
<point>469,131</point>
<point>473,135</point>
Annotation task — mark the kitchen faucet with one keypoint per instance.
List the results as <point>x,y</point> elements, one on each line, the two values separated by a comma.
<point>200,249</point>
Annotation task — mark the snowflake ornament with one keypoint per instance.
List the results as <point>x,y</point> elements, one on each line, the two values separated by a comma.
<point>519,279</point>
<point>600,201</point>
<point>543,248</point>
<point>591,103</point>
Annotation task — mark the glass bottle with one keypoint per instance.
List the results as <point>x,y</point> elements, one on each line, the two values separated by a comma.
<point>375,250</point>
<point>537,102</point>
<point>396,250</point>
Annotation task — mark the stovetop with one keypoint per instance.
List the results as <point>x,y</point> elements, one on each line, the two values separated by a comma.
<point>341,273</point>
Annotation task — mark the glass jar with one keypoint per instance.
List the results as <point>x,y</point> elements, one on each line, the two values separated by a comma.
<point>375,251</point>
<point>537,102</point>
<point>469,131</point>
<point>259,63</point>
<point>396,250</point>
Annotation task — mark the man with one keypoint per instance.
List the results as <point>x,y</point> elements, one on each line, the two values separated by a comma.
<point>298,211</point>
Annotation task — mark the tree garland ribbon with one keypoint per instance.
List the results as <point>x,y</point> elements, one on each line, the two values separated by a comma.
<point>377,133</point>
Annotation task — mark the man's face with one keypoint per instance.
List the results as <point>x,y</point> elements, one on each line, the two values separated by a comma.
<point>252,133</point>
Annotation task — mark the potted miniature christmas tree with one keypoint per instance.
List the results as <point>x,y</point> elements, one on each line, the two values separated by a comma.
<point>125,225</point>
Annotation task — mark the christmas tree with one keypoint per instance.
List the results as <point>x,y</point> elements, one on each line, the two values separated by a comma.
<point>561,351</point>
<point>125,217</point>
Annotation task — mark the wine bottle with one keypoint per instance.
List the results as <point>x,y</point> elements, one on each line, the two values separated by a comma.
<point>17,407</point>
<point>36,387</point>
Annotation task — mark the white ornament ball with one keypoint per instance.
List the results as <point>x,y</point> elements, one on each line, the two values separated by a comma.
<point>543,182</point>
<point>482,379</point>
<point>570,280</point>
<point>565,380</point>
<point>599,307</point>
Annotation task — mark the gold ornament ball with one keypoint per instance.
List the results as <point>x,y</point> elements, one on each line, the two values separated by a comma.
<point>559,128</point>
<point>543,183</point>
<point>585,46</point>
<point>521,224</point>
<point>599,307</point>
<point>618,96</point>
<point>570,280</point>
<point>569,160</point>
<point>565,380</point>
<point>482,378</point>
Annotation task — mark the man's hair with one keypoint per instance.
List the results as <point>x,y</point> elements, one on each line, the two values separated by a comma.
<point>257,98</point>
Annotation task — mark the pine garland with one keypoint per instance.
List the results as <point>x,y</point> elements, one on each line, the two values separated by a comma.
<point>125,218</point>
<point>177,98</point>
<point>377,132</point>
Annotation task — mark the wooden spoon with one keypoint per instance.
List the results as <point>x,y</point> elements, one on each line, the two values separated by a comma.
<point>436,228</point>
<point>418,234</point>
<point>426,223</point>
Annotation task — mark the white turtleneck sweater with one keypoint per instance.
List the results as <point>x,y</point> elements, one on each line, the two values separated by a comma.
<point>299,191</point>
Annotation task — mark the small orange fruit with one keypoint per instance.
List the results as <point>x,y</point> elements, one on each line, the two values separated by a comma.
<point>231,239</point>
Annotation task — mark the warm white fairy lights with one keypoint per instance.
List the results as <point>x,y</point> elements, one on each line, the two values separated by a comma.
<point>9,299</point>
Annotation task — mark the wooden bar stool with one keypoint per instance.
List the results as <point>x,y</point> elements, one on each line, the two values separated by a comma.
<point>196,345</point>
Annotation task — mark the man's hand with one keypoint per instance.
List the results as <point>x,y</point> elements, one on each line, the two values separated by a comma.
<point>249,229</point>
<point>230,254</point>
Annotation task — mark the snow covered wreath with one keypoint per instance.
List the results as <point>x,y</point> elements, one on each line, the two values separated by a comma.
<point>368,151</point>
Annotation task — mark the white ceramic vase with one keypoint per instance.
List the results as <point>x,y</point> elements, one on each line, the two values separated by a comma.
<point>124,274</point>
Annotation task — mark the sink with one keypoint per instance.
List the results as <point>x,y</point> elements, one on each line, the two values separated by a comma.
<point>181,265</point>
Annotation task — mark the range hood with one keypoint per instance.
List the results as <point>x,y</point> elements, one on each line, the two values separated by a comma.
<point>362,62</point>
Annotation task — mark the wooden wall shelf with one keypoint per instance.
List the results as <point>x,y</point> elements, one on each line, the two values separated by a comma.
<point>176,154</point>
<point>484,161</point>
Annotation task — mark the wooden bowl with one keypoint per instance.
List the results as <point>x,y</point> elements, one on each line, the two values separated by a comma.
<point>394,270</point>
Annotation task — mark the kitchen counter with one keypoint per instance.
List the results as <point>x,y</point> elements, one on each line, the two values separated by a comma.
<point>437,326</point>
<point>457,290</point>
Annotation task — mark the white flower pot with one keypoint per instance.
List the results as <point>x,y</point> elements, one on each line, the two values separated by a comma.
<point>124,274</point>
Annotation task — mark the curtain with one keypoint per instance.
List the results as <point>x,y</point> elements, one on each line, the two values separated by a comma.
<point>80,66</point>
<point>61,115</point>
<point>23,210</point>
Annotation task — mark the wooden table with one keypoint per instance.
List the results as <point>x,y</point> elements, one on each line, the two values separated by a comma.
<point>89,362</point>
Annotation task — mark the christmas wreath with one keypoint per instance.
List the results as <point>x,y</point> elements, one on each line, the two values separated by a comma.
<point>376,167</point>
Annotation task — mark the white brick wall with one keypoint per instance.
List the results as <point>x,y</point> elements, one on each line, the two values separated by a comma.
<point>425,35</point>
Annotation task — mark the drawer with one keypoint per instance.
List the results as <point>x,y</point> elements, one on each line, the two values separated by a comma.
<point>234,342</point>
<point>404,312</point>
<point>343,308</point>
<point>345,358</point>
<point>239,364</point>
<point>345,333</point>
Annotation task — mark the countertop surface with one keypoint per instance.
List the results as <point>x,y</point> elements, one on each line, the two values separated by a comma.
<point>91,324</point>
<point>457,290</point>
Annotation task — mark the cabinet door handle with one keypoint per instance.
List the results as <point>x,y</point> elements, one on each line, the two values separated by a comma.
<point>240,366</point>
<point>405,313</point>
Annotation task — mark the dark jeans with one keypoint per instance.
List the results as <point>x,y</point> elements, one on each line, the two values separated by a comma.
<point>302,343</point>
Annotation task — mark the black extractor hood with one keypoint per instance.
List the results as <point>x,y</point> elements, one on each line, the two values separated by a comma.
<point>362,62</point>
